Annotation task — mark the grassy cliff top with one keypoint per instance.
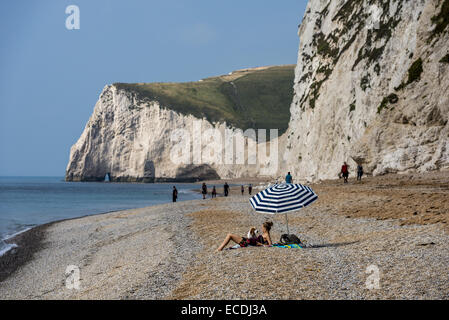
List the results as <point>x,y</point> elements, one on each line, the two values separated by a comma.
<point>256,98</point>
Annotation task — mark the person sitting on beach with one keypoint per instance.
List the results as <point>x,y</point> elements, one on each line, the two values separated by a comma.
<point>262,240</point>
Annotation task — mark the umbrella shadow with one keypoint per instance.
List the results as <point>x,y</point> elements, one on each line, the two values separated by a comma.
<point>330,245</point>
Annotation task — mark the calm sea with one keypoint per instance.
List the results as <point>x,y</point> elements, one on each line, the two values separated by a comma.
<point>29,201</point>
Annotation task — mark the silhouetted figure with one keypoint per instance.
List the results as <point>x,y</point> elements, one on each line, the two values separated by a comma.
<point>250,189</point>
<point>175,194</point>
<point>226,189</point>
<point>243,190</point>
<point>214,192</point>
<point>345,172</point>
<point>204,190</point>
<point>359,172</point>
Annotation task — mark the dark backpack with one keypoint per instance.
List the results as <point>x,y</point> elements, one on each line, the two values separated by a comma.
<point>289,239</point>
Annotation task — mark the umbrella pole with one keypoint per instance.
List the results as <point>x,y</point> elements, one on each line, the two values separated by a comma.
<point>286,220</point>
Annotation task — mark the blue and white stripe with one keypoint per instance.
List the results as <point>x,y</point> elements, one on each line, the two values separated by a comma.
<point>283,198</point>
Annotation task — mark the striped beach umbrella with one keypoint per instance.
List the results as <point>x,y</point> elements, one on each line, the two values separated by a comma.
<point>283,198</point>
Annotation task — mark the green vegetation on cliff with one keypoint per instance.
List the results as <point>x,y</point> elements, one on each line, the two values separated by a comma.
<point>250,98</point>
<point>414,74</point>
<point>440,21</point>
<point>445,59</point>
<point>390,99</point>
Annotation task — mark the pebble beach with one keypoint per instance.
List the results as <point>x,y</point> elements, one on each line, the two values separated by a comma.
<point>168,251</point>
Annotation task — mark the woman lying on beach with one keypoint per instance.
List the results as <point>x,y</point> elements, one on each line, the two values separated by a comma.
<point>261,240</point>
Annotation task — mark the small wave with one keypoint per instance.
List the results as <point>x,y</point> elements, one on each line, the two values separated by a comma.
<point>10,236</point>
<point>5,247</point>
<point>186,191</point>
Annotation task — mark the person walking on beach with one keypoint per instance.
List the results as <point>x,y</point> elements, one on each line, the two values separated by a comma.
<point>204,190</point>
<point>345,172</point>
<point>359,172</point>
<point>262,240</point>
<point>214,192</point>
<point>288,178</point>
<point>175,194</point>
<point>250,189</point>
<point>226,189</point>
<point>243,190</point>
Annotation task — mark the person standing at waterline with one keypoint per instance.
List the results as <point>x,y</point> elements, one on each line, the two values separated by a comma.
<point>226,189</point>
<point>175,194</point>
<point>288,178</point>
<point>204,190</point>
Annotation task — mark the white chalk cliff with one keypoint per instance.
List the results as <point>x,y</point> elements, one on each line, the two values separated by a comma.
<point>134,140</point>
<point>371,86</point>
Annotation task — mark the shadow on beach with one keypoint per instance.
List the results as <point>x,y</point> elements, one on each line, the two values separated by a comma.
<point>329,245</point>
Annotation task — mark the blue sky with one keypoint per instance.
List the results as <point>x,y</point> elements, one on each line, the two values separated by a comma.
<point>51,77</point>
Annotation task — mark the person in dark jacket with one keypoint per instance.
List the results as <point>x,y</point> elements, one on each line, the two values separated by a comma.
<point>359,172</point>
<point>226,189</point>
<point>243,190</point>
<point>204,190</point>
<point>214,192</point>
<point>175,194</point>
<point>250,189</point>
